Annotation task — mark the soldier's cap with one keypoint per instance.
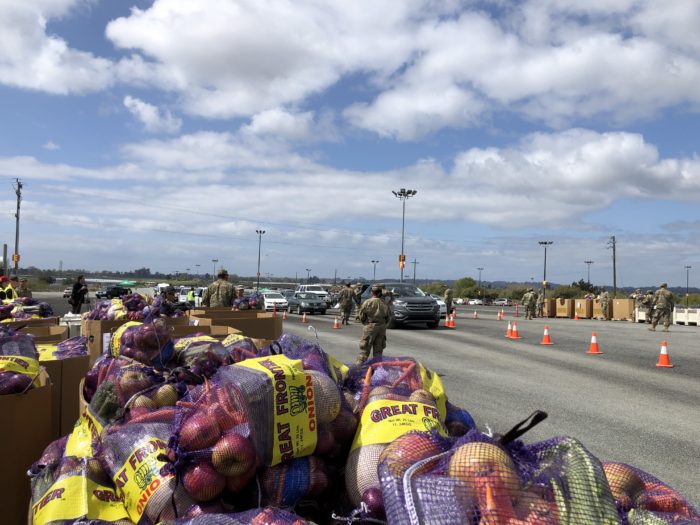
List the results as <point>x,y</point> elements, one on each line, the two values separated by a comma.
<point>376,288</point>
<point>222,273</point>
<point>530,289</point>
<point>650,291</point>
<point>664,285</point>
<point>240,287</point>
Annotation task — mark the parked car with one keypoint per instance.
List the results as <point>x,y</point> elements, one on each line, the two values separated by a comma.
<point>67,292</point>
<point>441,304</point>
<point>503,302</point>
<point>198,293</point>
<point>112,292</point>
<point>320,292</point>
<point>275,300</point>
<point>408,305</point>
<point>287,293</point>
<point>309,302</point>
<point>475,301</point>
<point>459,300</point>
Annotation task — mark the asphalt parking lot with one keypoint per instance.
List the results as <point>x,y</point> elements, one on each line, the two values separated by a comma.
<point>619,404</point>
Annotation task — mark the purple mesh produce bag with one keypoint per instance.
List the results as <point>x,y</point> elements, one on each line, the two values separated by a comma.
<point>265,516</point>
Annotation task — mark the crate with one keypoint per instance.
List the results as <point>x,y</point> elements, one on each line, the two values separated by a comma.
<point>255,324</point>
<point>623,310</point>
<point>686,316</point>
<point>565,308</point>
<point>583,308</point>
<point>550,308</point>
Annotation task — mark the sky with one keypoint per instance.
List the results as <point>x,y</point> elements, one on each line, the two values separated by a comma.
<point>164,133</point>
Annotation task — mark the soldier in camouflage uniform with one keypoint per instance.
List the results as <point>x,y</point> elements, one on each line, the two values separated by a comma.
<point>648,304</point>
<point>638,297</point>
<point>448,300</point>
<point>220,292</point>
<point>374,314</point>
<point>604,298</point>
<point>663,307</point>
<point>528,302</point>
<point>357,294</point>
<point>539,304</point>
<point>346,298</point>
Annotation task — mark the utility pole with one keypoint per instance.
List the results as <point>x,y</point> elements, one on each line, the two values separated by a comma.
<point>612,244</point>
<point>335,276</point>
<point>414,263</point>
<point>15,256</point>
<point>589,270</point>
<point>480,292</point>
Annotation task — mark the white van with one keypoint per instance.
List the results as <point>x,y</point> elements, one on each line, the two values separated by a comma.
<point>315,288</point>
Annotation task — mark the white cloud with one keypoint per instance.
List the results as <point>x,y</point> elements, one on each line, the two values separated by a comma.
<point>32,59</point>
<point>153,119</point>
<point>51,146</point>
<point>281,123</point>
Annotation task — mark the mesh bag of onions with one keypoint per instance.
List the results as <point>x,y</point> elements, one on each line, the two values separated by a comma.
<point>19,362</point>
<point>240,347</point>
<point>265,516</point>
<point>480,480</point>
<point>199,355</point>
<point>150,343</point>
<point>74,490</point>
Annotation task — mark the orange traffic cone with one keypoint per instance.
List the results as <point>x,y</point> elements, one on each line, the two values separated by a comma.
<point>545,338</point>
<point>594,345</point>
<point>284,315</point>
<point>476,316</point>
<point>509,332</point>
<point>514,333</point>
<point>454,313</point>
<point>452,322</point>
<point>664,361</point>
<point>304,319</point>
<point>576,318</point>
<point>498,316</point>
<point>336,324</point>
<point>503,313</point>
<point>447,321</point>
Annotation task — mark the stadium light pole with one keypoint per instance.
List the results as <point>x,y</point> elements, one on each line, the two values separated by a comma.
<point>374,273</point>
<point>308,274</point>
<point>403,194</point>
<point>589,270</point>
<point>215,261</point>
<point>480,270</point>
<point>260,234</point>
<point>687,289</point>
<point>544,277</point>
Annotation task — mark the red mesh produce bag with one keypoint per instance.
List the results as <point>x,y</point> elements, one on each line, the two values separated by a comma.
<point>266,516</point>
<point>149,343</point>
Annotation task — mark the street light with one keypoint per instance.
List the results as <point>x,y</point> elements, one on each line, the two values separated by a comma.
<point>374,275</point>
<point>308,273</point>
<point>215,261</point>
<point>260,234</point>
<point>403,194</point>
<point>687,277</point>
<point>589,270</point>
<point>480,270</point>
<point>544,278</point>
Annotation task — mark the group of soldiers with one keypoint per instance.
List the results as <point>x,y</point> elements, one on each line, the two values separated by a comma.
<point>533,302</point>
<point>657,306</point>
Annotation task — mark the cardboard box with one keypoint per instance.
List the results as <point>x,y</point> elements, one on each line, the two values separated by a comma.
<point>597,310</point>
<point>98,333</point>
<point>66,375</point>
<point>26,433</point>
<point>550,307</point>
<point>47,333</point>
<point>623,309</point>
<point>216,331</point>
<point>45,321</point>
<point>258,324</point>
<point>223,312</point>
<point>583,308</point>
<point>565,308</point>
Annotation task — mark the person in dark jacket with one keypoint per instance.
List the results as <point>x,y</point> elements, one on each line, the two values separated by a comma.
<point>78,294</point>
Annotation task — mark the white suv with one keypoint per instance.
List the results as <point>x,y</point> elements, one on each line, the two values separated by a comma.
<point>315,288</point>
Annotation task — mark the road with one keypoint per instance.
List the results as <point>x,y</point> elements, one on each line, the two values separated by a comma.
<point>619,404</point>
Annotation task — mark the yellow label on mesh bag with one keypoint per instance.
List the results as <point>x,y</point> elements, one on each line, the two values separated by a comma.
<point>433,384</point>
<point>77,497</point>
<point>339,371</point>
<point>232,338</point>
<point>184,342</point>
<point>86,431</point>
<point>21,365</point>
<point>46,351</point>
<point>294,411</point>
<point>385,420</point>
<point>140,477</point>
<point>114,342</point>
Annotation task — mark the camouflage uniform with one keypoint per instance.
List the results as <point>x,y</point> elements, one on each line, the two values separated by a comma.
<point>638,297</point>
<point>346,298</point>
<point>357,294</point>
<point>663,306</point>
<point>604,298</point>
<point>528,302</point>
<point>448,300</point>
<point>219,293</point>
<point>648,304</point>
<point>539,304</point>
<point>374,314</point>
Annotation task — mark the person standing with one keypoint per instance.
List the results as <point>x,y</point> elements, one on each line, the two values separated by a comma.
<point>357,294</point>
<point>77,295</point>
<point>638,297</point>
<point>190,296</point>
<point>448,300</point>
<point>346,298</point>
<point>539,304</point>
<point>663,307</point>
<point>648,304</point>
<point>220,292</point>
<point>604,299</point>
<point>528,302</point>
<point>374,315</point>
<point>22,290</point>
